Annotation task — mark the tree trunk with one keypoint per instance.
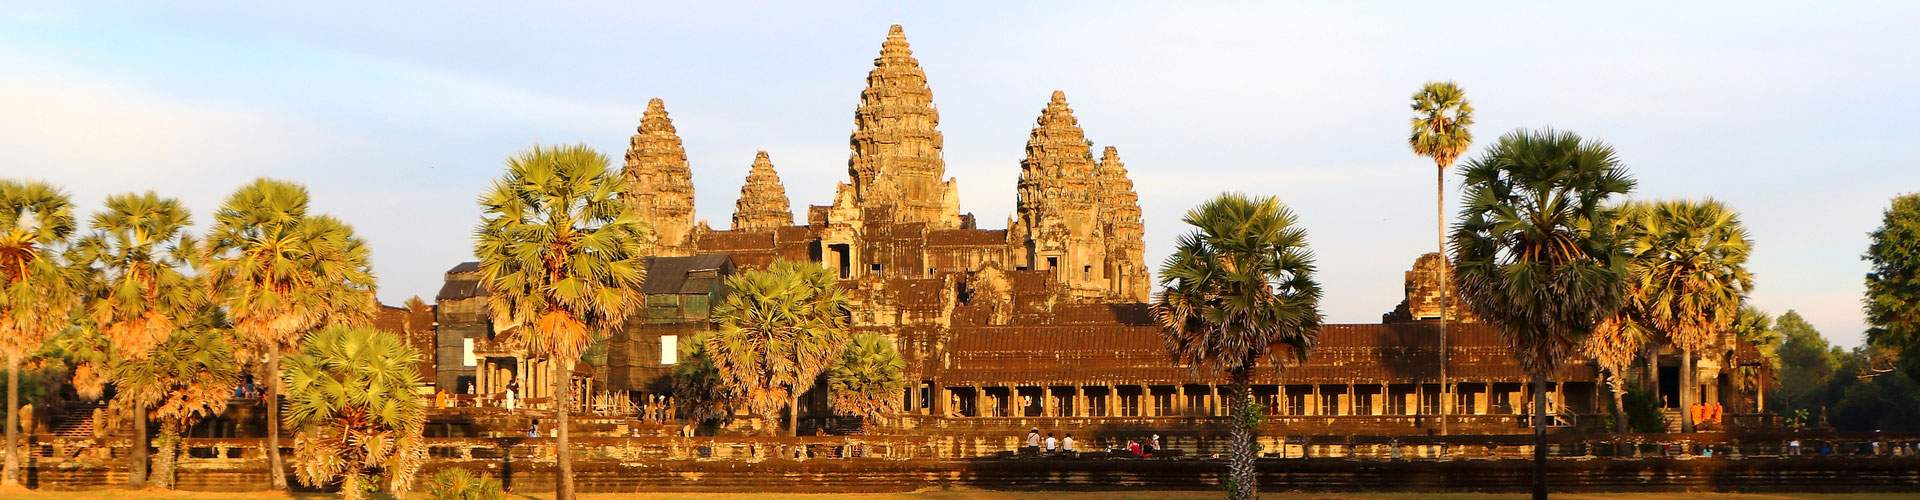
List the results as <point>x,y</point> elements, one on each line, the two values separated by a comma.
<point>137,471</point>
<point>1619,407</point>
<point>1243,483</point>
<point>1686,390</point>
<point>793,412</point>
<point>562,391</point>
<point>12,472</point>
<point>277,470</point>
<point>1539,438</point>
<point>165,468</point>
<point>1446,281</point>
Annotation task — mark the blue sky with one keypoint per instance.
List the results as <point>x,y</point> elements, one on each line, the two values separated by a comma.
<point>396,115</point>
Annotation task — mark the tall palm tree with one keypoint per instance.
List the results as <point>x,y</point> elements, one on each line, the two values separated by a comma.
<point>37,293</point>
<point>1536,253</point>
<point>867,379</point>
<point>780,328</point>
<point>562,260</point>
<point>1689,263</point>
<point>1441,120</point>
<point>280,272</point>
<point>351,402</point>
<point>187,377</point>
<point>137,249</point>
<point>1238,285</point>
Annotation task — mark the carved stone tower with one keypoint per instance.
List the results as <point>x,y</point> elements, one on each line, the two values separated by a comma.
<point>896,158</point>
<point>659,182</point>
<point>1126,260</point>
<point>1058,224</point>
<point>763,201</point>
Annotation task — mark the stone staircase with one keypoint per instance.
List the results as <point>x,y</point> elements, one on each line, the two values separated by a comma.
<point>1672,417</point>
<point>76,421</point>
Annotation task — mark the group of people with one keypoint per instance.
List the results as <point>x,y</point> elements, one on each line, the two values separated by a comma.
<point>1046,444</point>
<point>1049,445</point>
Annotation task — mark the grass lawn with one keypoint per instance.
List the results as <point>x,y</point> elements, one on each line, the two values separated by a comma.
<point>950,495</point>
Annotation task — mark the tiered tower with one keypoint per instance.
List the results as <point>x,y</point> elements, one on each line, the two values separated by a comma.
<point>896,142</point>
<point>763,201</point>
<point>1126,245</point>
<point>1058,225</point>
<point>659,182</point>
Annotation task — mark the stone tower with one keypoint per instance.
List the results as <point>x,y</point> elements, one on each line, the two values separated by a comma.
<point>1057,222</point>
<point>1126,260</point>
<point>659,182</point>
<point>763,201</point>
<point>896,158</point>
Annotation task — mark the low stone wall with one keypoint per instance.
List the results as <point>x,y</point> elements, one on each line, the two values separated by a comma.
<point>839,464</point>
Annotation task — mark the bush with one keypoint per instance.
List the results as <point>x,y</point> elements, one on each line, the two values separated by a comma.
<point>1643,411</point>
<point>461,484</point>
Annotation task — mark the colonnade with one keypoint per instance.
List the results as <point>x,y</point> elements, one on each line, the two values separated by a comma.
<point>1211,400</point>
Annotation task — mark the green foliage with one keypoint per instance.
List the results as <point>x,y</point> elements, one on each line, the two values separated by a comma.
<point>1643,411</point>
<point>1534,246</point>
<point>697,385</point>
<point>780,328</point>
<point>1893,284</point>
<point>1442,119</point>
<point>1808,364</point>
<point>350,399</point>
<point>868,379</point>
<point>462,484</point>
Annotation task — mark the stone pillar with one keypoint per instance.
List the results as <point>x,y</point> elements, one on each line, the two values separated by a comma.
<point>1353,401</point>
<point>1180,400</point>
<point>1313,407</point>
<point>1213,401</point>
<point>1047,408</point>
<point>1112,401</point>
<point>979,395</point>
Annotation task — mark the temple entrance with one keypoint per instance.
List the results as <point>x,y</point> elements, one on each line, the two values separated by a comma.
<point>1669,387</point>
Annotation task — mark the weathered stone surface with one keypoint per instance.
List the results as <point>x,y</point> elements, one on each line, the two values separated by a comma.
<point>1057,225</point>
<point>896,142</point>
<point>1422,301</point>
<point>1126,235</point>
<point>763,201</point>
<point>659,181</point>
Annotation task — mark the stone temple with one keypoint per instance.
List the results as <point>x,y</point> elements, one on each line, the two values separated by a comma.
<point>1045,319</point>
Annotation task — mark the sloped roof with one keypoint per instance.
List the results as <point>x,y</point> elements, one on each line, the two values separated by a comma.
<point>697,274</point>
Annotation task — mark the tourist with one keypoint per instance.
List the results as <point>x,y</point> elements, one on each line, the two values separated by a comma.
<point>1153,445</point>
<point>1134,448</point>
<point>1033,439</point>
<point>1066,445</point>
<point>534,432</point>
<point>512,399</point>
<point>1793,447</point>
<point>1052,444</point>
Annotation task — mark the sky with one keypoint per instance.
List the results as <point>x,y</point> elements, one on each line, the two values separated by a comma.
<point>397,114</point>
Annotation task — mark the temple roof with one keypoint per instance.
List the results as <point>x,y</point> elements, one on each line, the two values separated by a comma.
<point>699,274</point>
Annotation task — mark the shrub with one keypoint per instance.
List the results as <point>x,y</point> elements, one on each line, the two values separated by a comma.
<point>462,484</point>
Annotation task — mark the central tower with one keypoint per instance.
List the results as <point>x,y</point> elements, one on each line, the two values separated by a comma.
<point>896,144</point>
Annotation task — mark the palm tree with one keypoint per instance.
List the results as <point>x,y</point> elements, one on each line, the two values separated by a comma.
<point>279,272</point>
<point>868,378</point>
<point>37,293</point>
<point>1441,117</point>
<point>562,261</point>
<point>188,377</point>
<point>1235,287</point>
<point>1614,345</point>
<point>698,391</point>
<point>1536,253</point>
<point>1689,264</point>
<point>780,328</point>
<point>138,247</point>
<point>351,403</point>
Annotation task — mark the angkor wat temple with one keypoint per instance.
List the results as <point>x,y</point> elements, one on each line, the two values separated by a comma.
<point>1045,319</point>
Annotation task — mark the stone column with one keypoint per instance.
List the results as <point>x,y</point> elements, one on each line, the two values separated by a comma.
<point>1180,400</point>
<point>979,394</point>
<point>1079,401</point>
<point>1112,401</point>
<point>1353,401</point>
<point>1047,408</point>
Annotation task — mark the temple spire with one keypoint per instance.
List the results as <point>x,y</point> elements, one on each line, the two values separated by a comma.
<point>763,203</point>
<point>1057,223</point>
<point>1124,232</point>
<point>659,181</point>
<point>896,143</point>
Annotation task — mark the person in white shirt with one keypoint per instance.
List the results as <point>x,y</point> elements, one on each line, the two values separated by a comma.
<point>1033,438</point>
<point>1052,444</point>
<point>1066,445</point>
<point>512,400</point>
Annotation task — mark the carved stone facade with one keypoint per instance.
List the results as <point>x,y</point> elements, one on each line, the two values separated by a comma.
<point>1126,264</point>
<point>1423,294</point>
<point>1057,225</point>
<point>896,142</point>
<point>763,201</point>
<point>659,181</point>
